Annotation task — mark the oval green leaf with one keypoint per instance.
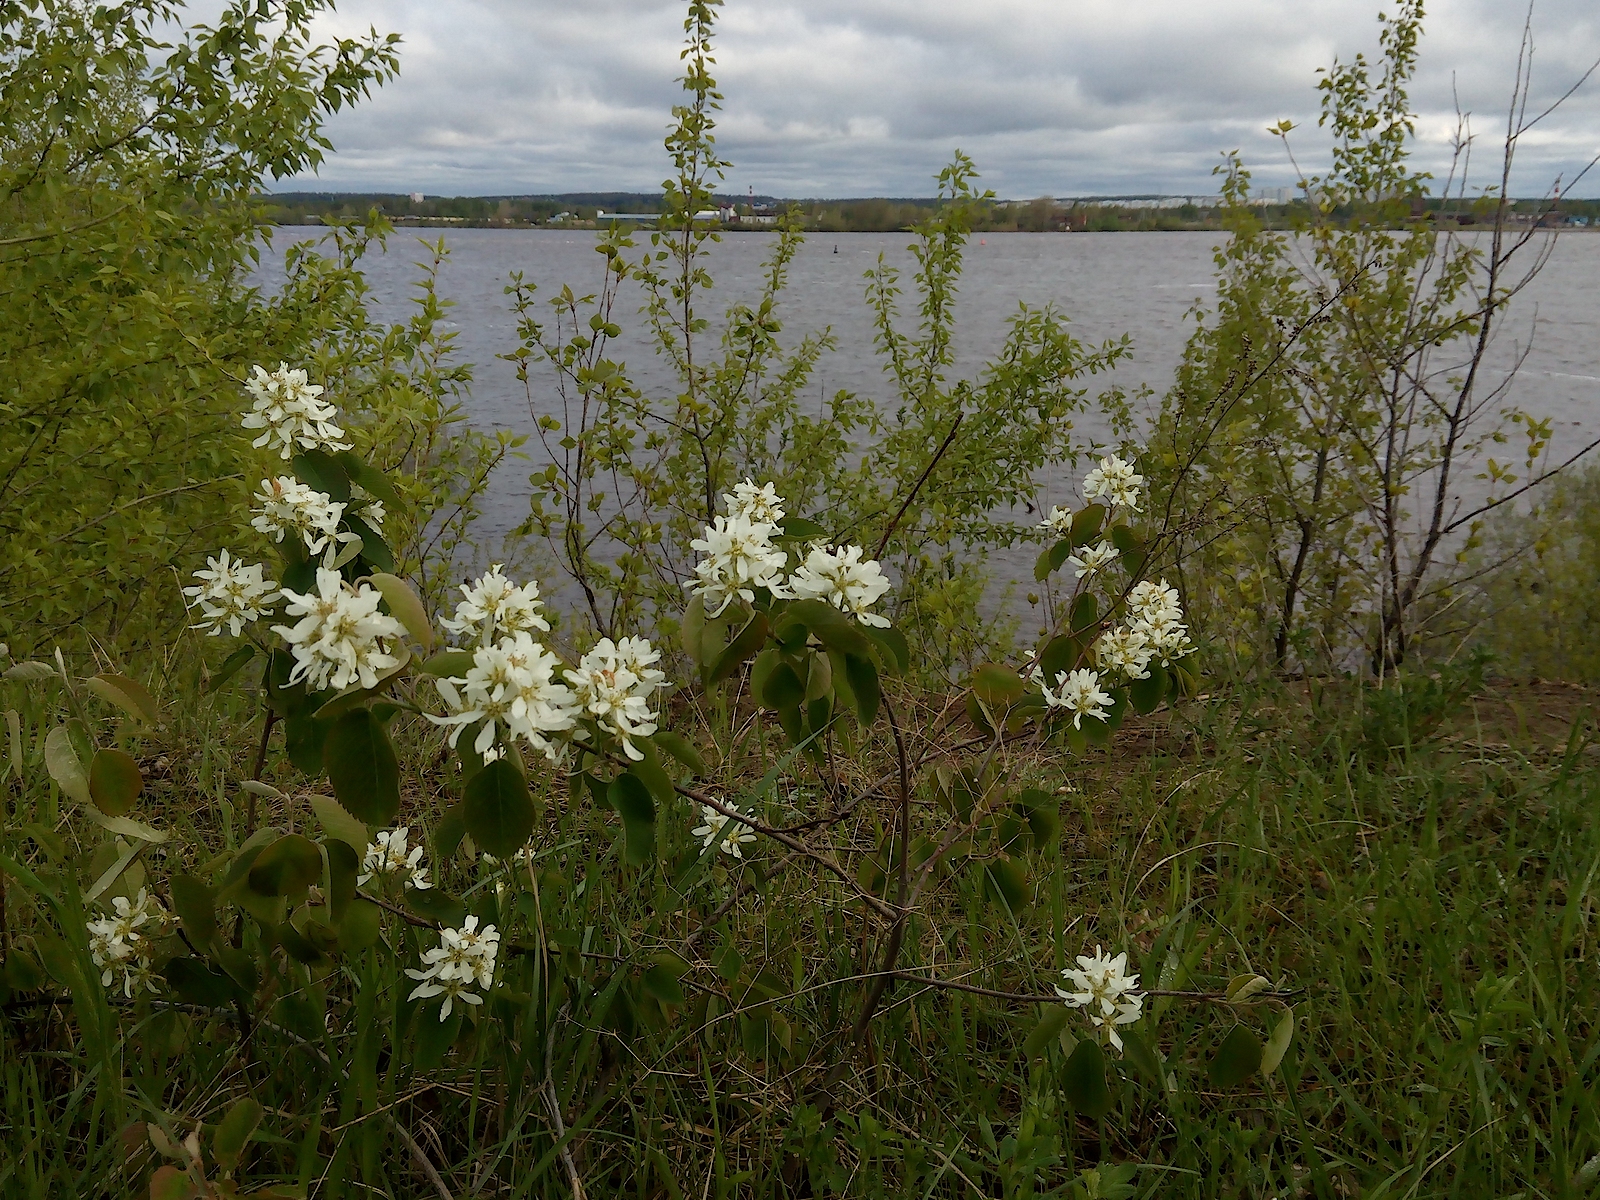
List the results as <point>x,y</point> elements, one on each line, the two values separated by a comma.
<point>362,768</point>
<point>1083,1079</point>
<point>498,810</point>
<point>114,781</point>
<point>1237,1059</point>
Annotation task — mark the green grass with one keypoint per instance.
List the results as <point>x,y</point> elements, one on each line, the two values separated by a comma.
<point>1427,907</point>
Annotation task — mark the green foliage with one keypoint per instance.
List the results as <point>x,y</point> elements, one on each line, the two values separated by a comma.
<point>125,228</point>
<point>632,479</point>
<point>1331,401</point>
<point>1535,606</point>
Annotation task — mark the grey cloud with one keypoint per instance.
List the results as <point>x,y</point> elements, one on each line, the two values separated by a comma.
<point>852,97</point>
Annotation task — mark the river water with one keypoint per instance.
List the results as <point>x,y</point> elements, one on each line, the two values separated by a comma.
<point>1145,285</point>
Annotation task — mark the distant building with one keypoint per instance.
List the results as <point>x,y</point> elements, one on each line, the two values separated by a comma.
<point>416,197</point>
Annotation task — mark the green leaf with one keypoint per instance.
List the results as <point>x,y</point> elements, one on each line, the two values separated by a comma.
<point>344,865</point>
<point>373,481</point>
<point>897,651</point>
<point>998,687</point>
<point>373,548</point>
<point>1126,540</point>
<point>196,983</point>
<point>61,760</point>
<point>650,772</point>
<point>863,679</point>
<point>498,810</point>
<point>801,528</point>
<point>234,1133</point>
<point>744,646</point>
<point>1146,694</point>
<point>782,688</point>
<point>1278,1043</point>
<point>362,767</point>
<point>170,1183</point>
<point>1237,1059</point>
<point>339,824</point>
<point>1083,1079</point>
<point>452,664</point>
<point>447,834</point>
<point>436,905</point>
<point>631,800</point>
<point>1042,813</point>
<point>1085,613</point>
<point>22,972</point>
<point>682,749</point>
<point>127,694</point>
<point>692,629</point>
<point>114,781</point>
<point>29,672</point>
<point>196,906</point>
<point>303,741</point>
<point>361,925</point>
<point>231,666</point>
<point>660,982</point>
<point>1061,653</point>
<point>1051,1023</point>
<point>432,1038</point>
<point>288,867</point>
<point>405,606</point>
<point>1143,1056</point>
<point>1086,524</point>
<point>831,627</point>
<point>1006,883</point>
<point>321,470</point>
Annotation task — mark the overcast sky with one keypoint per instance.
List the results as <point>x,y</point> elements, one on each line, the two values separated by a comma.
<point>869,97</point>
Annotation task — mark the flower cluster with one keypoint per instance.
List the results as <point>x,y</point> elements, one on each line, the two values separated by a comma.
<point>728,832</point>
<point>463,959</point>
<point>387,854</point>
<point>511,684</point>
<point>1103,986</point>
<point>341,636</point>
<point>844,579</point>
<point>290,412</point>
<point>738,557</point>
<point>495,607</point>
<point>122,942</point>
<point>1091,560</point>
<point>613,684</point>
<point>289,506</point>
<point>1114,481</point>
<point>230,594</point>
<point>1078,692</point>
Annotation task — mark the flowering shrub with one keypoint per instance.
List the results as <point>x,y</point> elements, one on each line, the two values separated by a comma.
<point>451,934</point>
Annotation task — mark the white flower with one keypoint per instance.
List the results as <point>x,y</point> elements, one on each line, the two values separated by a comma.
<point>287,505</point>
<point>1115,480</point>
<point>719,827</point>
<point>290,412</point>
<point>1092,559</point>
<point>1155,604</point>
<point>495,606</point>
<point>738,558</point>
<point>613,683</point>
<point>1157,614</point>
<point>758,505</point>
<point>1104,986</point>
<point>1077,691</point>
<point>122,942</point>
<point>844,580</point>
<point>464,957</point>
<point>368,507</point>
<point>340,638</point>
<point>232,595</point>
<point>1124,650</point>
<point>387,854</point>
<point>1059,522</point>
<point>512,684</point>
